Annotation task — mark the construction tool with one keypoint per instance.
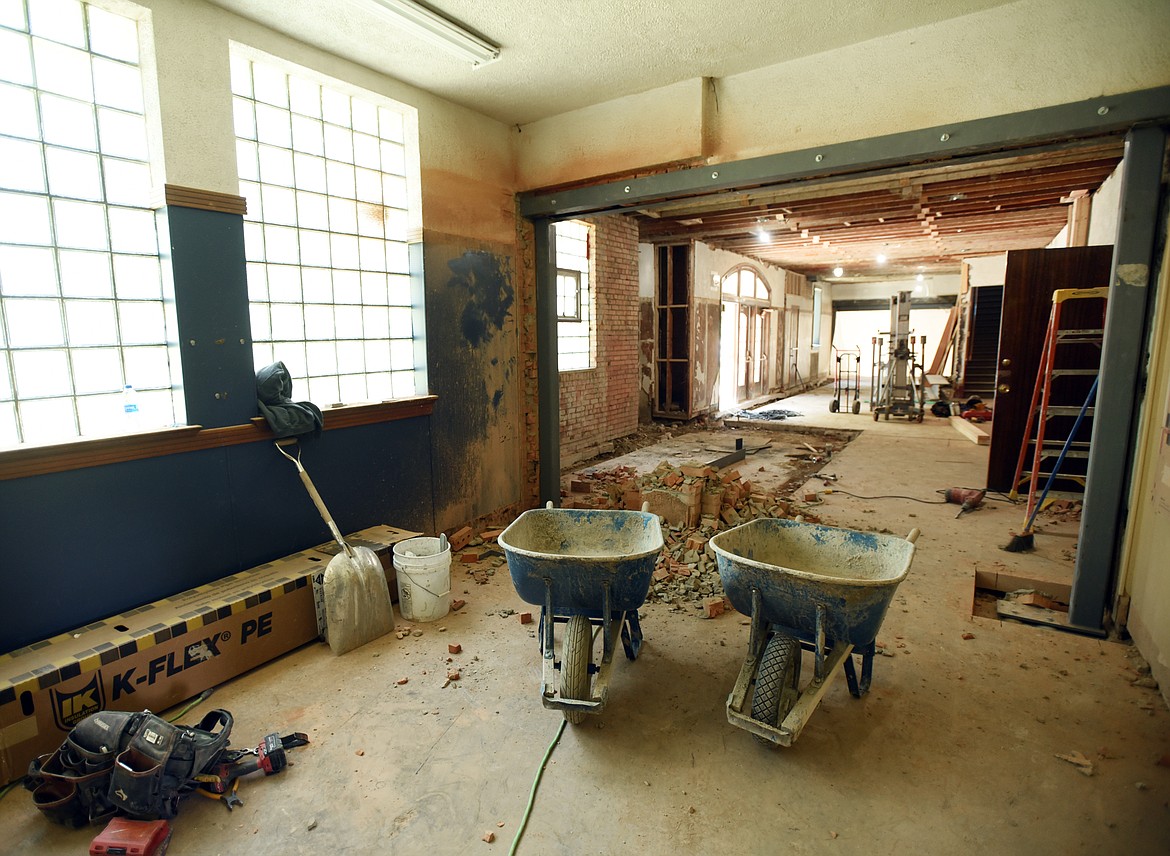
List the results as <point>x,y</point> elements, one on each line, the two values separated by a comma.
<point>125,837</point>
<point>1026,539</point>
<point>968,497</point>
<point>898,385</point>
<point>357,598</point>
<point>223,781</point>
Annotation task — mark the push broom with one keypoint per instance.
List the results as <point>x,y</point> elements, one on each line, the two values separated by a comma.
<point>1026,539</point>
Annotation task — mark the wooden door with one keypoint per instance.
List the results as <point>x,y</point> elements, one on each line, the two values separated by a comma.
<point>1031,277</point>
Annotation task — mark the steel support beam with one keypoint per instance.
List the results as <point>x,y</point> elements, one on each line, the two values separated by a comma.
<point>1122,365</point>
<point>1094,117</point>
<point>548,380</point>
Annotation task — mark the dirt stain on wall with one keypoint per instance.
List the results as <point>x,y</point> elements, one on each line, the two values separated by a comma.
<point>489,291</point>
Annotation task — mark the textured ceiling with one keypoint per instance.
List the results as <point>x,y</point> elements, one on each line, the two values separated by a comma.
<point>560,56</point>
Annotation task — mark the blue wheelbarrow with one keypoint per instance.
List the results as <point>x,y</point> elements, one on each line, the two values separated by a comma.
<point>584,568</point>
<point>806,587</point>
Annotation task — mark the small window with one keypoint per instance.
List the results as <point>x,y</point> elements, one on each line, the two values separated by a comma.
<point>575,327</point>
<point>568,295</point>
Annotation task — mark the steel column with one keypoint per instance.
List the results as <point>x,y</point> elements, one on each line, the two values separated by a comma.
<point>1122,357</point>
<point>548,381</point>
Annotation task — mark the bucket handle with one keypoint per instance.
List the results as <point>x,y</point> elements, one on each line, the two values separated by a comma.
<point>424,588</point>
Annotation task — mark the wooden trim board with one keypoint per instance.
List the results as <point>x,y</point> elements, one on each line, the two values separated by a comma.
<point>26,461</point>
<point>971,431</point>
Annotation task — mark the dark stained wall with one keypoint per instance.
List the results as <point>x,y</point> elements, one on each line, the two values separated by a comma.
<point>472,358</point>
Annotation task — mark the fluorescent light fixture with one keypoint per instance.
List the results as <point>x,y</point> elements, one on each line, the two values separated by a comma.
<point>434,28</point>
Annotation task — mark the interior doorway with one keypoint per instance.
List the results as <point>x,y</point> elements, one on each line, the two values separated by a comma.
<point>745,336</point>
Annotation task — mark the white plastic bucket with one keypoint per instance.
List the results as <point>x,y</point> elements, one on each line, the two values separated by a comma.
<point>423,567</point>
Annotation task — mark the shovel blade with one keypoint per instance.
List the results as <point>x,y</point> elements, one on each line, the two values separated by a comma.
<point>357,600</point>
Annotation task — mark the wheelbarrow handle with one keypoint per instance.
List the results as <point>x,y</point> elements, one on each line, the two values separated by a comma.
<point>914,533</point>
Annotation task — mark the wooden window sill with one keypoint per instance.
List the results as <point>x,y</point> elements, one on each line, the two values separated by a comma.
<point>26,461</point>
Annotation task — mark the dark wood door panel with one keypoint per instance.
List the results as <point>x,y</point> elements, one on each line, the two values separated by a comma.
<point>1031,277</point>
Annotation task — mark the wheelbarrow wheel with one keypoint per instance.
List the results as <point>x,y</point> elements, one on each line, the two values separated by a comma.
<point>777,681</point>
<point>576,656</point>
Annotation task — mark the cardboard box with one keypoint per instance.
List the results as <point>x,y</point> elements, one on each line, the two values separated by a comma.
<point>152,657</point>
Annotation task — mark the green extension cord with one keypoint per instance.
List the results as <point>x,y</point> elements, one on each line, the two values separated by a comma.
<point>536,782</point>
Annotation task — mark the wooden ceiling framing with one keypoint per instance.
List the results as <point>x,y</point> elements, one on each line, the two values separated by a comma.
<point>923,219</point>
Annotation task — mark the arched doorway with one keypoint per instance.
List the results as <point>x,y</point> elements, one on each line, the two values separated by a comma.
<point>746,332</point>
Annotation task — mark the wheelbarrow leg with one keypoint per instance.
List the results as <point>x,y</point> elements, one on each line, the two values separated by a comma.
<point>632,635</point>
<point>856,689</point>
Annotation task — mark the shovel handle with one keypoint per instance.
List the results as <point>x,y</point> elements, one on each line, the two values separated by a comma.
<point>320,503</point>
<point>316,497</point>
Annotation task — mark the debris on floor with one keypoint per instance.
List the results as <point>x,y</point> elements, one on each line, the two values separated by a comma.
<point>1083,764</point>
<point>695,501</point>
<point>771,415</point>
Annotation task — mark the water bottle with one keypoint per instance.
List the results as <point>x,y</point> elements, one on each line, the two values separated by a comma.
<point>130,403</point>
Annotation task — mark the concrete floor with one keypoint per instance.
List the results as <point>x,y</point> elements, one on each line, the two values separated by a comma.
<point>953,751</point>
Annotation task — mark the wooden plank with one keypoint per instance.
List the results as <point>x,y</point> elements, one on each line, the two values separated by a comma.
<point>25,461</point>
<point>1002,582</point>
<point>944,342</point>
<point>206,200</point>
<point>971,431</point>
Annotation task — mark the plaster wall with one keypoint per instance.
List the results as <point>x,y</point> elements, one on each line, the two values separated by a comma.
<point>1145,573</point>
<point>931,286</point>
<point>989,63</point>
<point>1106,205</point>
<point>661,126</point>
<point>986,270</point>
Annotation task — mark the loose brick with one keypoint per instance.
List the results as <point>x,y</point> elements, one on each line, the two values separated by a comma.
<point>460,538</point>
<point>455,648</point>
<point>712,606</point>
<point>525,617</point>
<point>457,604</point>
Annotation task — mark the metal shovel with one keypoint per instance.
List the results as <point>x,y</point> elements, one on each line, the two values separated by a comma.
<point>357,600</point>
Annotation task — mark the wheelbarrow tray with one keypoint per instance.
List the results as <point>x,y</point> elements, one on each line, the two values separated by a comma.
<point>814,587</point>
<point>796,566</point>
<point>583,567</point>
<point>577,553</point>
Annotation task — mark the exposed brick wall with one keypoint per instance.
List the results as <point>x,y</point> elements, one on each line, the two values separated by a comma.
<point>601,403</point>
<point>529,391</point>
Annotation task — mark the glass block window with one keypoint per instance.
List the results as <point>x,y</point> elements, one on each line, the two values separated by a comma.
<point>81,303</point>
<point>575,333</point>
<point>324,172</point>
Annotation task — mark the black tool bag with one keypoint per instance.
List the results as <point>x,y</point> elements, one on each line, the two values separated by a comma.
<point>134,764</point>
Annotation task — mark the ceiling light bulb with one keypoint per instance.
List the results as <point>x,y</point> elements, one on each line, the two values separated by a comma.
<point>881,258</point>
<point>920,277</point>
<point>838,271</point>
<point>761,234</point>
